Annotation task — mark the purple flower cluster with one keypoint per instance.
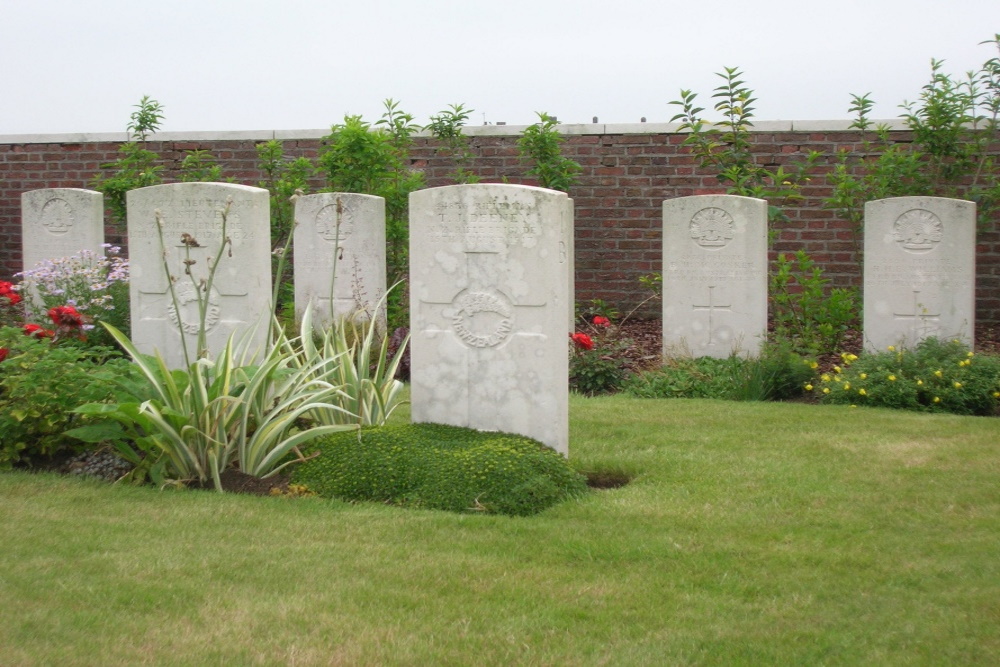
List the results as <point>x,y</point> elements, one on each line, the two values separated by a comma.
<point>84,280</point>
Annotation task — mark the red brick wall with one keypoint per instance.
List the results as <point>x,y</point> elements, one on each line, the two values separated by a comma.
<point>625,178</point>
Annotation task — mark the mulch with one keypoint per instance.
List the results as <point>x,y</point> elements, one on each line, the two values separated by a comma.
<point>237,481</point>
<point>646,343</point>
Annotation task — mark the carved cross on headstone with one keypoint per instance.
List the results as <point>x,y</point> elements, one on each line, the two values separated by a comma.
<point>711,307</point>
<point>479,314</point>
<point>919,318</point>
<point>346,296</point>
<point>158,305</point>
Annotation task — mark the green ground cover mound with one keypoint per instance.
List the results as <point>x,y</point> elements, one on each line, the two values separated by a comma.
<point>440,467</point>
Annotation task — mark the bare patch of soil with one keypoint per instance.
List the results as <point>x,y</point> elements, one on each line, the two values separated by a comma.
<point>237,481</point>
<point>607,479</point>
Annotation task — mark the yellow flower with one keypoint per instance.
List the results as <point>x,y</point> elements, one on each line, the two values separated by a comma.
<point>864,376</point>
<point>970,354</point>
<point>938,373</point>
<point>996,394</point>
<point>854,406</point>
<point>958,385</point>
<point>891,348</point>
<point>825,377</point>
<point>826,390</point>
<point>852,357</point>
<point>862,392</point>
<point>892,378</point>
<point>813,365</point>
<point>836,369</point>
<point>937,399</point>
<point>920,383</point>
<point>809,387</point>
<point>847,385</point>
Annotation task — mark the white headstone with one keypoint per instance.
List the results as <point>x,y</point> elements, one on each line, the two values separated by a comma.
<point>714,275</point>
<point>240,298</point>
<point>60,222</point>
<point>346,233</point>
<point>571,263</point>
<point>920,271</point>
<point>489,297</point>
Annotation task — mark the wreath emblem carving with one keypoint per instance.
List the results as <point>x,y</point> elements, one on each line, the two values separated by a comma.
<point>326,222</point>
<point>918,230</point>
<point>57,216</point>
<point>187,300</point>
<point>482,319</point>
<point>712,228</point>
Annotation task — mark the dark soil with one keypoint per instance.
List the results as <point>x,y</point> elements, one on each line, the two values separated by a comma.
<point>607,479</point>
<point>236,481</point>
<point>646,343</point>
<point>104,464</point>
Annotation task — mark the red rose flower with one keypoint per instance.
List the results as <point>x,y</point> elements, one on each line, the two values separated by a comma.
<point>582,341</point>
<point>601,321</point>
<point>3,353</point>
<point>65,316</point>
<point>7,290</point>
<point>35,331</point>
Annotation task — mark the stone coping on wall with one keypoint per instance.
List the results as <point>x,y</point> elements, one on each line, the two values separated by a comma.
<point>468,130</point>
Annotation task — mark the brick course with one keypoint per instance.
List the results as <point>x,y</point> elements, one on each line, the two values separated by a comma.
<point>625,178</point>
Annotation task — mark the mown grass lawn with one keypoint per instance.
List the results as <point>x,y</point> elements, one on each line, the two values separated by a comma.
<point>751,533</point>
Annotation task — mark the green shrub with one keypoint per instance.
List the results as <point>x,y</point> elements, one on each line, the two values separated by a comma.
<point>218,413</point>
<point>684,377</point>
<point>598,362</point>
<point>595,372</point>
<point>40,384</point>
<point>541,144</point>
<point>806,312</point>
<point>936,376</point>
<point>778,373</point>
<point>440,467</point>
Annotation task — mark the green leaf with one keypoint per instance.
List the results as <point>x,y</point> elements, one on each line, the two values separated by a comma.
<point>98,432</point>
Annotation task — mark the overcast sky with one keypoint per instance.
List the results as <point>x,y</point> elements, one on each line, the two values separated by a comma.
<point>80,65</point>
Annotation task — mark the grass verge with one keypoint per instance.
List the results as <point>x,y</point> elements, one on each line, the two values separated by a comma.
<point>751,533</point>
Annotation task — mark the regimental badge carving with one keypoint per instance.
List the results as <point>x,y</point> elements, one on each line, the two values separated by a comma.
<point>187,299</point>
<point>326,221</point>
<point>712,228</point>
<point>57,216</point>
<point>918,231</point>
<point>482,319</point>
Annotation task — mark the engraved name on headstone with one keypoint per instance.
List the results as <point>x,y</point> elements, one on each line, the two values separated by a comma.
<point>489,297</point>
